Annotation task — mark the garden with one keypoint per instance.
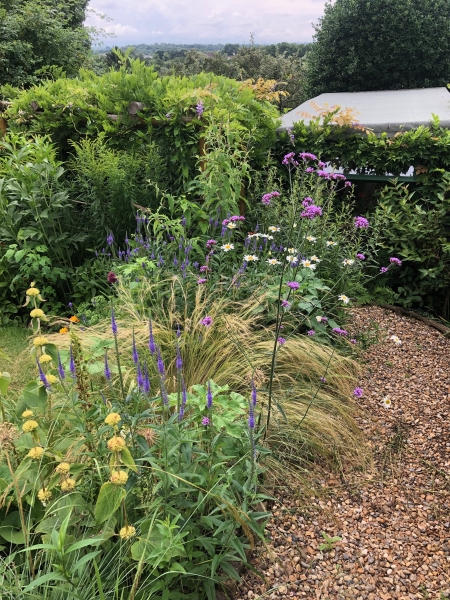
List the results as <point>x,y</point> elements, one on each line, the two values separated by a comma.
<point>212,384</point>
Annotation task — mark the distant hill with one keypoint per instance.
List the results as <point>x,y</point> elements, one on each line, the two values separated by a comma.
<point>152,48</point>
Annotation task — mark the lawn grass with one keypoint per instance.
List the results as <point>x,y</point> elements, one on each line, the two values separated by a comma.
<point>14,342</point>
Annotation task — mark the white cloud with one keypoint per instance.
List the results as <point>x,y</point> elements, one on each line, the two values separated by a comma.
<point>219,21</point>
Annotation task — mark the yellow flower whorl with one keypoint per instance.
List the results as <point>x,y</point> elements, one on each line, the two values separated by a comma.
<point>36,313</point>
<point>27,414</point>
<point>29,426</point>
<point>44,495</point>
<point>127,532</point>
<point>36,453</point>
<point>52,379</point>
<point>112,418</point>
<point>116,444</point>
<point>63,468</point>
<point>45,358</point>
<point>68,485</point>
<point>40,341</point>
<point>32,291</point>
<point>119,477</point>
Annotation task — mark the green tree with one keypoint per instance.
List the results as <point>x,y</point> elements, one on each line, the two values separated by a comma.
<point>363,45</point>
<point>37,34</point>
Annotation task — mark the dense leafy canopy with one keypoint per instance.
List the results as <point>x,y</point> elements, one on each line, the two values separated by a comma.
<point>363,45</point>
<point>38,35</point>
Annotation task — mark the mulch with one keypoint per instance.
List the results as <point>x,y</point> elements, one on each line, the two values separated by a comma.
<point>394,515</point>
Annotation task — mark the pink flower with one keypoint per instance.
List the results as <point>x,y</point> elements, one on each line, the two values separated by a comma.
<point>207,321</point>
<point>281,341</point>
<point>201,280</point>
<point>205,421</point>
<point>294,285</point>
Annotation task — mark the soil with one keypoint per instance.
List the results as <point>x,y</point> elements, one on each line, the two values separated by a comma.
<point>393,517</point>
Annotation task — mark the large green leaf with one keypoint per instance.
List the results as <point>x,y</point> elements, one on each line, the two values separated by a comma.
<point>5,380</point>
<point>127,459</point>
<point>108,501</point>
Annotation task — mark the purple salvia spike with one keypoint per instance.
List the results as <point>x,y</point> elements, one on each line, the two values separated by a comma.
<point>183,399</point>
<point>161,369</point>
<point>107,370</point>
<point>61,372</point>
<point>42,376</point>
<point>139,378</point>
<point>209,396</point>
<point>253,393</point>
<point>146,379</point>
<point>151,343</point>
<point>134,351</point>
<point>179,360</point>
<point>113,322</point>
<point>72,363</point>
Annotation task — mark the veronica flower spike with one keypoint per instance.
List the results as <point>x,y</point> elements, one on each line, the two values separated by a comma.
<point>151,343</point>
<point>209,396</point>
<point>134,351</point>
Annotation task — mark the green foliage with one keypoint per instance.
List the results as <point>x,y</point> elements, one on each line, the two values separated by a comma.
<point>37,218</point>
<point>378,154</point>
<point>109,184</point>
<point>416,226</point>
<point>74,108</point>
<point>36,35</point>
<point>330,542</point>
<point>363,45</point>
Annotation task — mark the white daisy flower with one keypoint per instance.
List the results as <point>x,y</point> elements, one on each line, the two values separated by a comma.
<point>319,318</point>
<point>397,341</point>
<point>316,259</point>
<point>292,250</point>
<point>308,264</point>
<point>330,243</point>
<point>345,299</point>
<point>348,262</point>
<point>252,235</point>
<point>274,229</point>
<point>273,261</point>
<point>250,257</point>
<point>310,238</point>
<point>227,247</point>
<point>231,225</point>
<point>291,258</point>
<point>387,402</point>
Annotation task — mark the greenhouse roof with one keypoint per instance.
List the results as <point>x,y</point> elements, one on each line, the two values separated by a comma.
<point>390,111</point>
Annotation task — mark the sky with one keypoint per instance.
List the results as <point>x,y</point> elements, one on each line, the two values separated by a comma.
<point>206,21</point>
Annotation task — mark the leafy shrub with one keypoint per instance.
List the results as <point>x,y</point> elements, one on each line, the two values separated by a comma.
<point>151,492</point>
<point>416,227</point>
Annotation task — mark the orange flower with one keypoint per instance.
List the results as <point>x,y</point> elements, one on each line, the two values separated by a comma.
<point>74,319</point>
<point>63,330</point>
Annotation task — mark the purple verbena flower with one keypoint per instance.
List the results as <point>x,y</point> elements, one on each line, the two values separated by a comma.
<point>294,285</point>
<point>358,392</point>
<point>268,197</point>
<point>361,223</point>
<point>340,331</point>
<point>353,341</point>
<point>384,270</point>
<point>307,201</point>
<point>311,212</point>
<point>205,421</point>
<point>322,380</point>
<point>207,321</point>
<point>360,256</point>
<point>281,341</point>
<point>311,332</point>
<point>285,304</point>
<point>201,280</point>
<point>309,170</point>
<point>307,156</point>
<point>395,261</point>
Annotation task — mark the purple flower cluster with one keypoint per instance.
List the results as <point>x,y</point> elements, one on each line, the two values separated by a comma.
<point>207,321</point>
<point>285,304</point>
<point>307,156</point>
<point>395,261</point>
<point>360,256</point>
<point>268,197</point>
<point>210,243</point>
<point>311,332</point>
<point>340,331</point>
<point>361,223</point>
<point>199,109</point>
<point>358,392</point>
<point>201,280</point>
<point>281,341</point>
<point>311,212</point>
<point>307,201</point>
<point>289,159</point>
<point>294,285</point>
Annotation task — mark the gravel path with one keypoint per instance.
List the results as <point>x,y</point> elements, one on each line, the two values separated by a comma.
<point>393,517</point>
